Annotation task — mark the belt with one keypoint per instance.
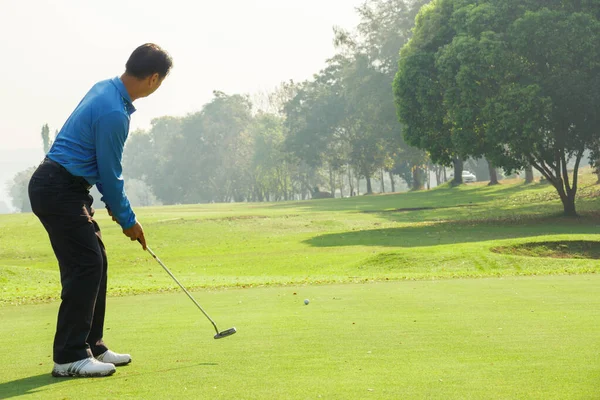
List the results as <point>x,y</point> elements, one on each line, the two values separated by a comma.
<point>77,179</point>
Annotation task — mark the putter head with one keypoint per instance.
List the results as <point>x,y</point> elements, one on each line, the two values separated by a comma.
<point>226,333</point>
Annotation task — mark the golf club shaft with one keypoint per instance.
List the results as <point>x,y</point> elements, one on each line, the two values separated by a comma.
<point>184,289</point>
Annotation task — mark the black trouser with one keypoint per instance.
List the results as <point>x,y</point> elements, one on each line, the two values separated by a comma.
<point>64,206</point>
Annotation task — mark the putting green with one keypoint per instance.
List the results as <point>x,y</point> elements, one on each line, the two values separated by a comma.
<point>509,338</point>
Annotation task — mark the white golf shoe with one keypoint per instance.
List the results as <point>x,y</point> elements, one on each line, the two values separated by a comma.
<point>114,358</point>
<point>88,367</point>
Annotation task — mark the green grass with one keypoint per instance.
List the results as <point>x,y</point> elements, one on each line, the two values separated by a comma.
<point>394,312</point>
<point>324,241</point>
<point>512,338</point>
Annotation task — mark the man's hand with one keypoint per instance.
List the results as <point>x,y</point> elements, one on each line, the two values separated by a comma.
<point>136,232</point>
<point>113,217</point>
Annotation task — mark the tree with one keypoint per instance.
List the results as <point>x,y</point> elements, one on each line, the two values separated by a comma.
<point>46,141</point>
<point>594,159</point>
<point>271,172</point>
<point>148,156</point>
<point>19,186</point>
<point>507,83</point>
<point>408,163</point>
<point>214,150</point>
<point>223,153</point>
<point>385,26</point>
<point>370,128</point>
<point>203,157</point>
<point>483,169</point>
<point>419,97</point>
<point>274,102</point>
<point>315,122</point>
<point>18,190</point>
<point>528,174</point>
<point>465,83</point>
<point>140,194</point>
<point>374,47</point>
<point>545,112</point>
<point>344,120</point>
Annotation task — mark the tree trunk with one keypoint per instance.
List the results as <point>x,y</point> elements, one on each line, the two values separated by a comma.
<point>493,174</point>
<point>394,183</point>
<point>357,186</point>
<point>528,174</point>
<point>566,197</point>
<point>558,176</point>
<point>569,206</point>
<point>331,181</point>
<point>445,175</point>
<point>369,187</point>
<point>286,193</point>
<point>428,177</point>
<point>438,175</point>
<point>417,178</point>
<point>350,181</point>
<point>458,169</point>
<point>382,183</point>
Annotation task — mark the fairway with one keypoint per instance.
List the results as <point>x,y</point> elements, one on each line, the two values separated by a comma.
<point>410,297</point>
<point>480,339</point>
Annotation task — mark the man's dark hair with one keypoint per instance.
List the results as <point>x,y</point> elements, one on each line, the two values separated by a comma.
<point>147,60</point>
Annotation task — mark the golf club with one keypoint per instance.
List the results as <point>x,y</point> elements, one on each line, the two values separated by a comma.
<point>219,335</point>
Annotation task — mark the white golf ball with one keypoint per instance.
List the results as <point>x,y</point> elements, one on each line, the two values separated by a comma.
<point>306,301</point>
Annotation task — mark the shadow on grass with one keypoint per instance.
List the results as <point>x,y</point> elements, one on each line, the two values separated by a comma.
<point>580,249</point>
<point>441,197</point>
<point>29,385</point>
<point>39,383</point>
<point>463,231</point>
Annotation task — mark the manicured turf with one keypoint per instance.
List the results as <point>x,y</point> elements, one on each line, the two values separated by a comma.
<point>326,241</point>
<point>410,298</point>
<point>511,338</point>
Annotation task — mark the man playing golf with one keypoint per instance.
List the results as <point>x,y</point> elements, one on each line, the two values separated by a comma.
<point>88,151</point>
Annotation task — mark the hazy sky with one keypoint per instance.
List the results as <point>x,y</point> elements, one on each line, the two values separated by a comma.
<point>54,51</point>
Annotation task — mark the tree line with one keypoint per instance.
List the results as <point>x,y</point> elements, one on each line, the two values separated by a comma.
<point>415,87</point>
<point>307,139</point>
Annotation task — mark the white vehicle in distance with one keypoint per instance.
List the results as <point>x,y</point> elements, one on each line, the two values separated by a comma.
<point>467,177</point>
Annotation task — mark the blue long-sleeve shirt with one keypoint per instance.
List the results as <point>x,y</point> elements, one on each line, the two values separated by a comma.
<point>91,142</point>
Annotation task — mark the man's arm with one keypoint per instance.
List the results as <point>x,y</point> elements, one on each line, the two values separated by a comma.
<point>111,132</point>
<point>101,190</point>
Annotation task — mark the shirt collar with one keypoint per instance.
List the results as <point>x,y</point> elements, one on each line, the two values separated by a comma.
<point>126,98</point>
